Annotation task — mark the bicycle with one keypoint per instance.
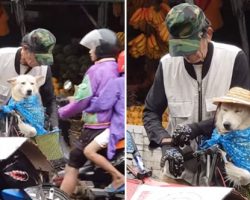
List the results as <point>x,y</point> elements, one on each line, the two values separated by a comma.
<point>215,170</point>
<point>141,175</point>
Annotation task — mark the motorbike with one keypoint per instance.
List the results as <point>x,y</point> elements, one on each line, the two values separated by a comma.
<point>93,178</point>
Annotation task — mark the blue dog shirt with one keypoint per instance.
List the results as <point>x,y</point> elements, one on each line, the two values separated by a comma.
<point>31,110</point>
<point>235,143</point>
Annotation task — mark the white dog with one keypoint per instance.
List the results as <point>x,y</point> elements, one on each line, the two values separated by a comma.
<point>233,133</point>
<point>233,117</point>
<point>22,87</point>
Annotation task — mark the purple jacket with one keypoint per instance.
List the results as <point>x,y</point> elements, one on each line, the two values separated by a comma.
<point>93,83</point>
<point>112,96</point>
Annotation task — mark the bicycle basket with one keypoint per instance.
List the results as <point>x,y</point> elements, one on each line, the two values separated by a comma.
<point>49,145</point>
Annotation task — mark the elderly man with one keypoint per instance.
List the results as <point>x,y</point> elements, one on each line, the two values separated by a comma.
<point>33,57</point>
<point>195,70</point>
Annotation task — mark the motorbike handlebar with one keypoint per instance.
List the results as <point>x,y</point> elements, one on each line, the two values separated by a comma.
<point>62,101</point>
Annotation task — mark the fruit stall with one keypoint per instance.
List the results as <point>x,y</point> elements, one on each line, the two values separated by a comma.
<point>147,43</point>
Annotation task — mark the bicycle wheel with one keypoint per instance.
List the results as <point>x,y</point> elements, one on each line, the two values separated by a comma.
<point>57,193</point>
<point>48,192</point>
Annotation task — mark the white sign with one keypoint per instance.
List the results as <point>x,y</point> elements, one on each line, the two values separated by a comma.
<point>8,145</point>
<point>146,192</point>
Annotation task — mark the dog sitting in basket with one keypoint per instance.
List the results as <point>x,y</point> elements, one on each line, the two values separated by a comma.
<point>26,105</point>
<point>232,133</point>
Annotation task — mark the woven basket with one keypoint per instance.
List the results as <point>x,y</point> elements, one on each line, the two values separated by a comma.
<point>50,146</point>
<point>75,130</point>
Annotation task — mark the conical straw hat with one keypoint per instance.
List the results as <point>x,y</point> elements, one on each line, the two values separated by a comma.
<point>235,95</point>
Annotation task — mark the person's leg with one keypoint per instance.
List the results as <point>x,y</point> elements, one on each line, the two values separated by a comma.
<point>70,180</point>
<point>90,152</point>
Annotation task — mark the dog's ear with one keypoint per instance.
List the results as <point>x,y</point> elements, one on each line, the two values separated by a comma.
<point>39,80</point>
<point>12,81</point>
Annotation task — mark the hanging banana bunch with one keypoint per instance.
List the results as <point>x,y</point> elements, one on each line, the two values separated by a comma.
<point>138,46</point>
<point>163,32</point>
<point>149,19</point>
<point>153,50</point>
<point>138,19</point>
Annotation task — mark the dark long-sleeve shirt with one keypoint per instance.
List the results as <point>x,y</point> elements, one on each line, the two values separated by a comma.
<point>49,99</point>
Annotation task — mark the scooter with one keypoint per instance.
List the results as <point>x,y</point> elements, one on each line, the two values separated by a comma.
<point>95,179</point>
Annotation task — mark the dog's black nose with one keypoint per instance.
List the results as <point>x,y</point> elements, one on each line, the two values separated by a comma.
<point>227,125</point>
<point>29,92</point>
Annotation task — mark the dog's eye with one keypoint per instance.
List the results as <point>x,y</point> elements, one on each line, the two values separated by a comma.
<point>32,83</point>
<point>237,111</point>
<point>23,83</point>
<point>224,109</point>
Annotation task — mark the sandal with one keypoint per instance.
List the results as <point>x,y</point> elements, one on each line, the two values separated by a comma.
<point>111,189</point>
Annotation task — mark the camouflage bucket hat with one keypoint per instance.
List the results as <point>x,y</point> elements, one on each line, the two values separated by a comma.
<point>41,42</point>
<point>185,23</point>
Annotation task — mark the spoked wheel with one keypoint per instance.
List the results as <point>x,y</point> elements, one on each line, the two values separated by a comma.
<point>47,192</point>
<point>52,192</point>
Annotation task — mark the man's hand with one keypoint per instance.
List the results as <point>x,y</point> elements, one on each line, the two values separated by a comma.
<point>175,159</point>
<point>181,135</point>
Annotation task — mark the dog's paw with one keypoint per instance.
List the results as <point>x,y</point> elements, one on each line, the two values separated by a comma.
<point>31,133</point>
<point>236,175</point>
<point>27,130</point>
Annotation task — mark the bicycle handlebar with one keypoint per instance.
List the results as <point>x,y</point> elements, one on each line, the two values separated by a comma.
<point>215,149</point>
<point>209,151</point>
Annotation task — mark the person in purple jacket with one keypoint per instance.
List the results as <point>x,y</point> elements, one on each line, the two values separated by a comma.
<point>103,45</point>
<point>111,97</point>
